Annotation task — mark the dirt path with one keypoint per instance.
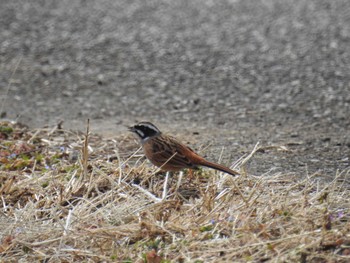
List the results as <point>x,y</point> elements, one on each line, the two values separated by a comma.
<point>232,73</point>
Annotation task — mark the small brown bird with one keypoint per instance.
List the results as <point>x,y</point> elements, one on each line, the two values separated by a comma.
<point>169,154</point>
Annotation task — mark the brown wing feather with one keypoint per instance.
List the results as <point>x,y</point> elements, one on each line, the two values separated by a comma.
<point>168,153</point>
<point>171,155</point>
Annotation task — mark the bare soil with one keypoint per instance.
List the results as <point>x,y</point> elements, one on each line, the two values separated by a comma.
<point>221,75</point>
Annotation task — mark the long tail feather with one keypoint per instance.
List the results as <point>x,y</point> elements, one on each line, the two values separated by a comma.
<point>219,167</point>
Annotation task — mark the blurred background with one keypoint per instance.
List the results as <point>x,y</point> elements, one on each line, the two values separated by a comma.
<point>225,73</point>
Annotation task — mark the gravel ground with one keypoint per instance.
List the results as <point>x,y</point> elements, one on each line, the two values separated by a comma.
<point>218,73</point>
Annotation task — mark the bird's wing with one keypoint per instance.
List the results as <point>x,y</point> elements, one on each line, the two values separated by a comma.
<point>169,150</point>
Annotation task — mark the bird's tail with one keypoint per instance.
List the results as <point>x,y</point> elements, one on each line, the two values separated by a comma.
<point>219,167</point>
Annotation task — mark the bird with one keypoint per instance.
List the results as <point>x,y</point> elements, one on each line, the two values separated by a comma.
<point>169,154</point>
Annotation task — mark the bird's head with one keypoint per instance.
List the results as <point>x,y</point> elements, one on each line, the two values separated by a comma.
<point>145,130</point>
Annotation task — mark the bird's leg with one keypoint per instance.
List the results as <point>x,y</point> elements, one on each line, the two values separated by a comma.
<point>165,187</point>
<point>181,174</point>
<point>190,174</point>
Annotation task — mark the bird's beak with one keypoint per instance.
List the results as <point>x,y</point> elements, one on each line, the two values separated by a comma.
<point>132,129</point>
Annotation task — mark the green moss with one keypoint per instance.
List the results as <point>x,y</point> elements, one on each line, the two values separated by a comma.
<point>6,130</point>
<point>39,157</point>
<point>70,168</point>
<point>113,257</point>
<point>206,228</point>
<point>25,157</point>
<point>153,244</point>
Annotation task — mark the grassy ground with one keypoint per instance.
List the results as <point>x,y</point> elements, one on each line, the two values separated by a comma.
<point>68,199</point>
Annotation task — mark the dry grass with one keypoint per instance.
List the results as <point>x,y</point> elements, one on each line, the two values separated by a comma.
<point>58,204</point>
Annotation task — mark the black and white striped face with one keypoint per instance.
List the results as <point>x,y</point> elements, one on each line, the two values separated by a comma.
<point>145,130</point>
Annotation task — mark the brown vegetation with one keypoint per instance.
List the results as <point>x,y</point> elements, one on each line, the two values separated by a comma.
<point>58,204</point>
